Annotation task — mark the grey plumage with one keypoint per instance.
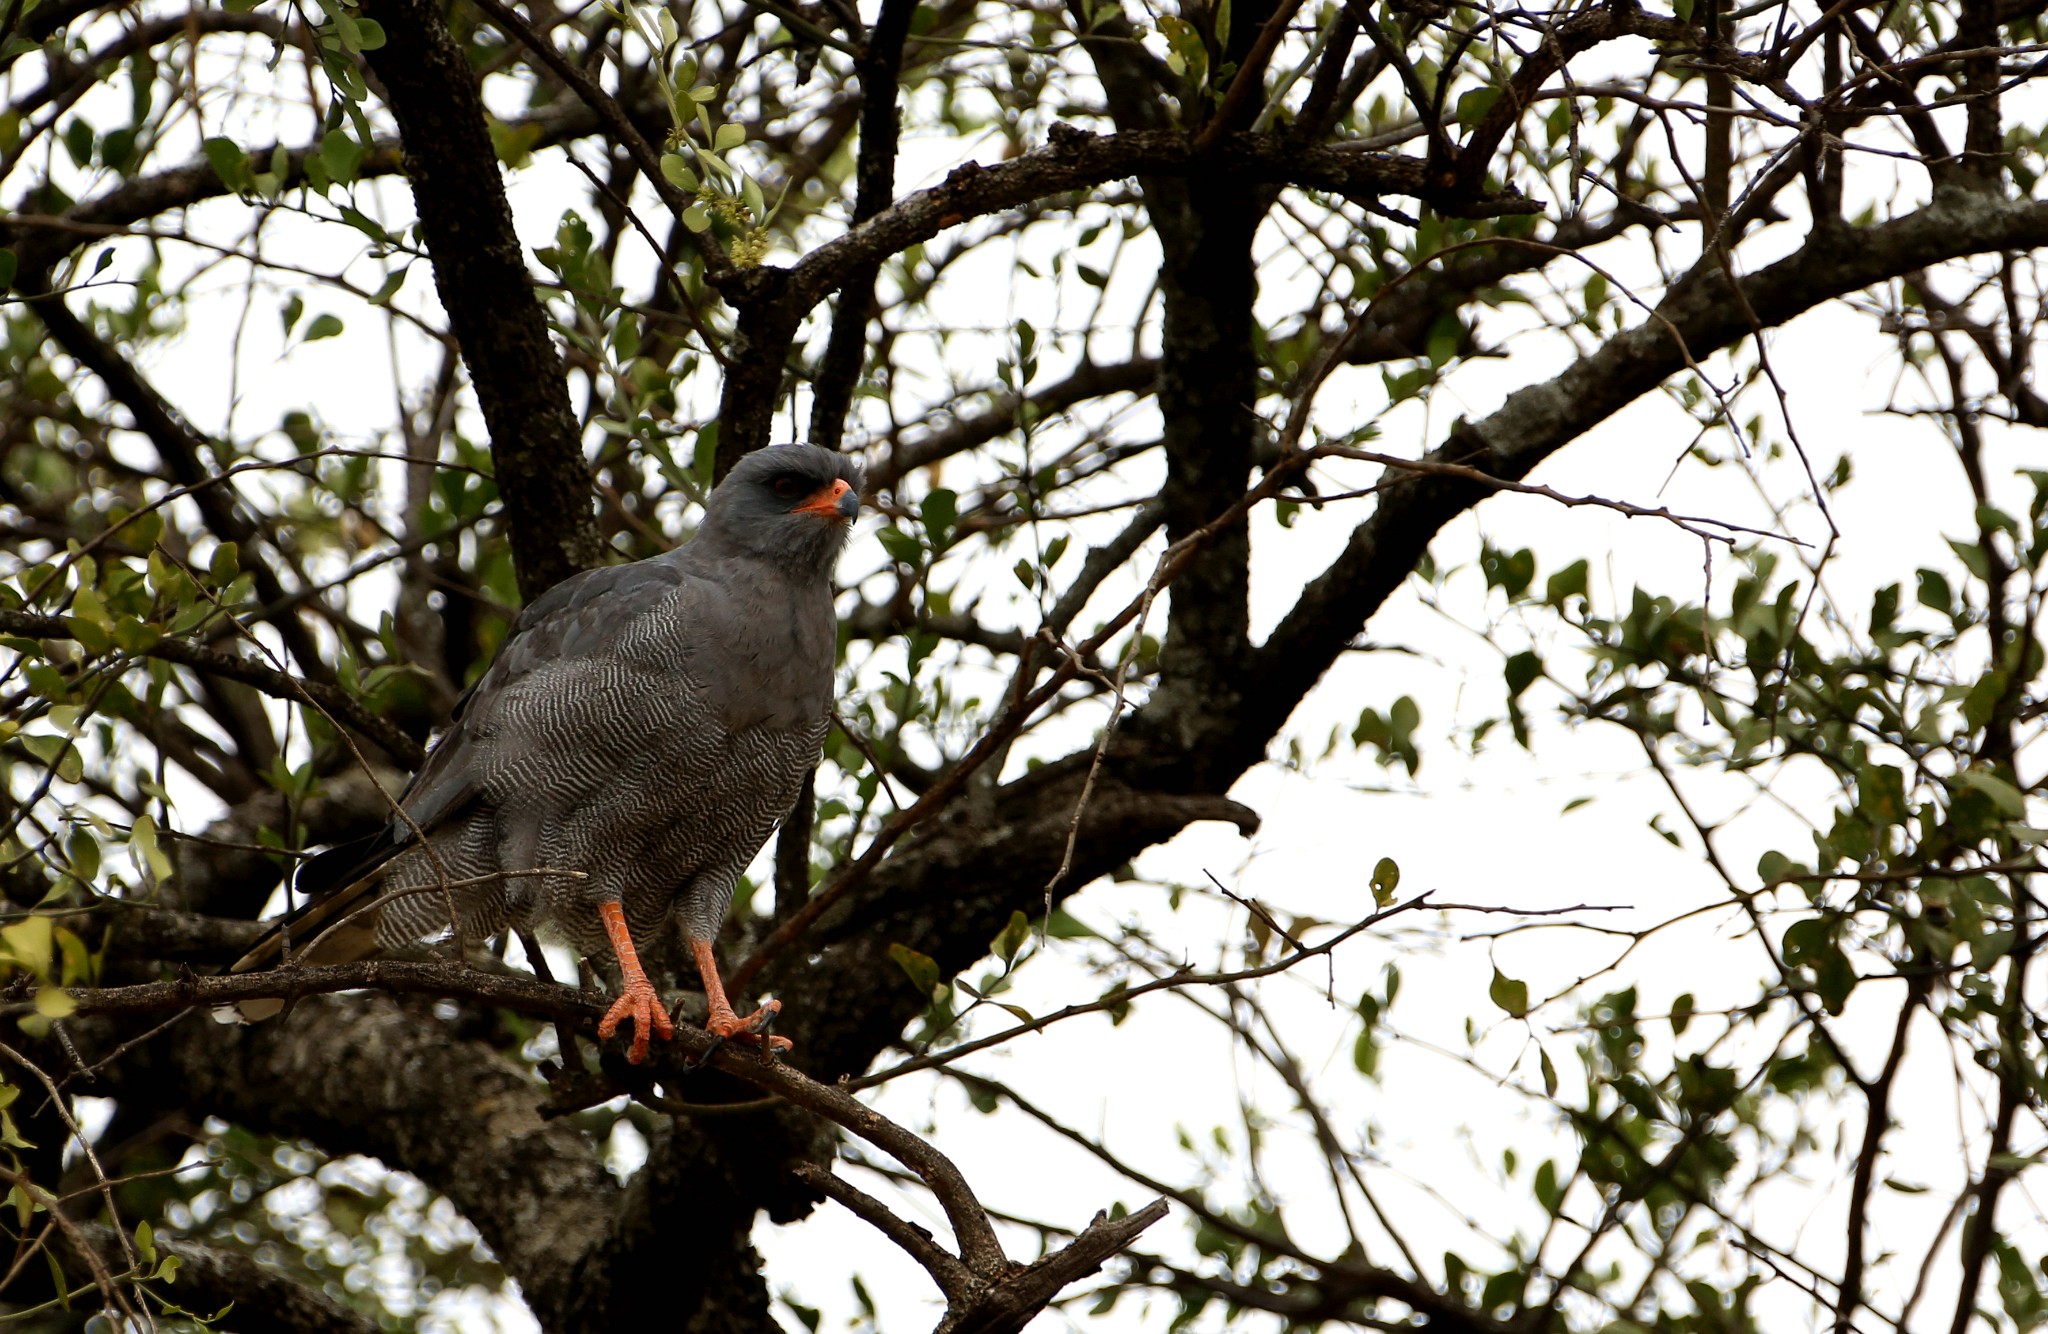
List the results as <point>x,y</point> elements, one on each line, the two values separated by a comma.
<point>646,725</point>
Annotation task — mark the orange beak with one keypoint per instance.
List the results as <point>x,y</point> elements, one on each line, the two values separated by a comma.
<point>836,501</point>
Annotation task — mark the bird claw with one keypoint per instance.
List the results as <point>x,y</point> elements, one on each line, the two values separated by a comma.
<point>642,1004</point>
<point>751,1029</point>
<point>709,1052</point>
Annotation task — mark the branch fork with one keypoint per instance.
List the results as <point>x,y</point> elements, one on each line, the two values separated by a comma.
<point>989,1298</point>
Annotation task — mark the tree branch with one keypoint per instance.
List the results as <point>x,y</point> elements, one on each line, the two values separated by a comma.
<point>369,1074</point>
<point>1074,159</point>
<point>363,1074</point>
<point>1695,318</point>
<point>480,273</point>
<point>212,1278</point>
<point>1087,381</point>
<point>880,65</point>
<point>181,448</point>
<point>331,700</point>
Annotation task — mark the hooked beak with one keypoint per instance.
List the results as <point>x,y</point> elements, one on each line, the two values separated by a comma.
<point>837,501</point>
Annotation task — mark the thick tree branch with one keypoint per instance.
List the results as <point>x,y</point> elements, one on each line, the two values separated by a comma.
<point>365,1074</point>
<point>1015,1301</point>
<point>948,889</point>
<point>1696,318</point>
<point>1074,159</point>
<point>1576,35</point>
<point>880,65</point>
<point>480,273</point>
<point>368,1074</point>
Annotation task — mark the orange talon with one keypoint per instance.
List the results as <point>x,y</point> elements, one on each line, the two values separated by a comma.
<point>641,1004</point>
<point>722,1022</point>
<point>639,1001</point>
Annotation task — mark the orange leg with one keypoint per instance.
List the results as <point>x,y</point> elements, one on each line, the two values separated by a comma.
<point>722,1022</point>
<point>639,1002</point>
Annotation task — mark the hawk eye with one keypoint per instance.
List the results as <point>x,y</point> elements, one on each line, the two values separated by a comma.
<point>788,487</point>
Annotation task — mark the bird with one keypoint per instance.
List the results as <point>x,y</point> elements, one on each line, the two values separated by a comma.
<point>642,730</point>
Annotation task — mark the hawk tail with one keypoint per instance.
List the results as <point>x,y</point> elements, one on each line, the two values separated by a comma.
<point>333,886</point>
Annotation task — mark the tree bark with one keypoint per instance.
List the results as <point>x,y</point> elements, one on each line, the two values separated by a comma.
<point>480,273</point>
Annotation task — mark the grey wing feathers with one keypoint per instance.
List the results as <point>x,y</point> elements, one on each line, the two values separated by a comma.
<point>582,617</point>
<point>577,618</point>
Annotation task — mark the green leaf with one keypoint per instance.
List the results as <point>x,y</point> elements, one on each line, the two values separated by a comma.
<point>341,155</point>
<point>57,752</point>
<point>1365,1052</point>
<point>921,969</point>
<point>1013,937</point>
<point>79,140</point>
<point>1510,571</point>
<point>901,546</point>
<point>1063,925</point>
<point>145,851</point>
<point>939,510</point>
<point>1934,591</point>
<point>365,224</point>
<point>86,605</point>
<point>90,634</point>
<point>1386,878</point>
<point>1881,794</point>
<point>2003,794</point>
<point>389,287</point>
<point>1805,939</point>
<point>229,163</point>
<point>1119,1008</point>
<point>677,172</point>
<point>1566,583</point>
<point>28,943</point>
<point>225,564</point>
<point>1509,994</point>
<point>323,326</point>
<point>1521,671</point>
<point>84,852</point>
<point>1983,699</point>
<point>1834,978</point>
<point>729,137</point>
